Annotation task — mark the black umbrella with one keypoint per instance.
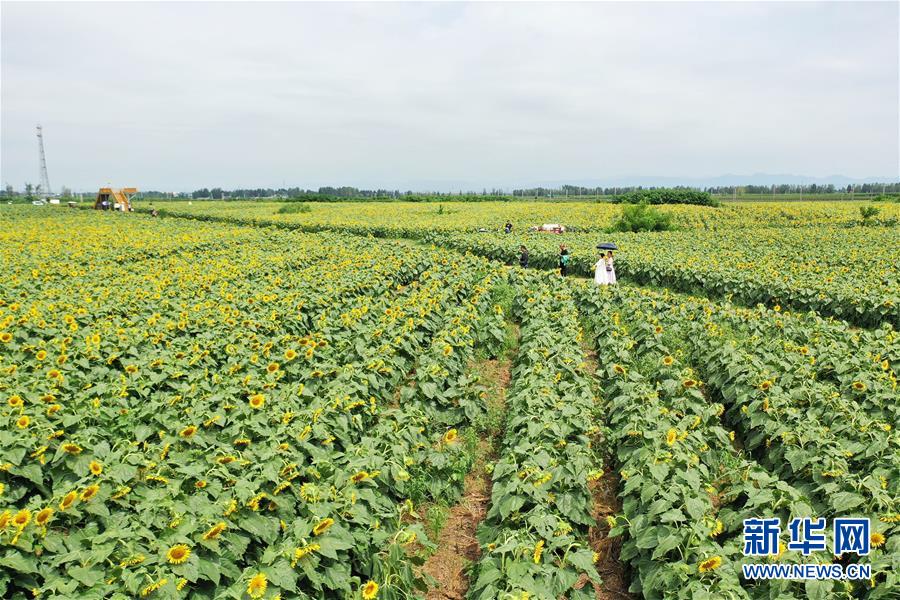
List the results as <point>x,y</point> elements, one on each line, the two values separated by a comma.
<point>607,246</point>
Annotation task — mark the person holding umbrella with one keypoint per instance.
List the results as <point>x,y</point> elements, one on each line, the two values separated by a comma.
<point>605,270</point>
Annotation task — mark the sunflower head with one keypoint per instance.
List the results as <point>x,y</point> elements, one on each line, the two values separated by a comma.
<point>257,586</point>
<point>323,526</point>
<point>96,468</point>
<point>68,500</point>
<point>23,422</point>
<point>710,564</point>
<point>257,401</point>
<point>89,492</point>
<point>178,554</point>
<point>369,591</point>
<point>214,531</point>
<point>15,401</point>
<point>538,550</point>
<point>668,360</point>
<point>671,436</point>
<point>43,516</point>
<point>360,476</point>
<point>188,431</point>
<point>877,539</point>
<point>22,518</point>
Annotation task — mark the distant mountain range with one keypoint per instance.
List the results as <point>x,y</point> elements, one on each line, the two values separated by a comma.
<point>728,179</point>
<point>724,180</point>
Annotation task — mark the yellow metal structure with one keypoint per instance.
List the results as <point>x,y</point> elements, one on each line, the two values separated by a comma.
<point>113,199</point>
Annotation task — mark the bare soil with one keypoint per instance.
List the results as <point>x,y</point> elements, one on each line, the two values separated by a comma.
<point>457,546</point>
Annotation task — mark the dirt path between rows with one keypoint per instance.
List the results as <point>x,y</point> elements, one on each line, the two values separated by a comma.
<point>605,503</point>
<point>457,545</point>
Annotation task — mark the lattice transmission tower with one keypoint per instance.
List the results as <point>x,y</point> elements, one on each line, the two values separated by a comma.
<point>45,179</point>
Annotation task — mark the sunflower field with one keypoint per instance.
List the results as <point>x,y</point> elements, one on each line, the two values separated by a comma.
<point>235,406</point>
<point>414,219</point>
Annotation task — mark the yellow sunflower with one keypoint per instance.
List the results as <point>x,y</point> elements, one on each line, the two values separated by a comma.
<point>15,401</point>
<point>68,500</point>
<point>71,448</point>
<point>215,531</point>
<point>671,436</point>
<point>877,539</point>
<point>710,564</point>
<point>188,431</point>
<point>23,422</point>
<point>96,468</point>
<point>89,492</point>
<point>257,586</point>
<point>22,518</point>
<point>370,590</point>
<point>450,436</point>
<point>538,550</point>
<point>43,516</point>
<point>322,526</point>
<point>178,554</point>
<point>257,400</point>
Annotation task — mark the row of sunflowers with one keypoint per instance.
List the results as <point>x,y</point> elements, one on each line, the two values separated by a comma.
<point>809,256</point>
<point>812,405</point>
<point>535,537</point>
<point>848,273</point>
<point>201,411</point>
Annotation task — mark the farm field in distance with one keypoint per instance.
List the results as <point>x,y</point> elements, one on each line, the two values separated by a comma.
<point>243,400</point>
<point>415,218</point>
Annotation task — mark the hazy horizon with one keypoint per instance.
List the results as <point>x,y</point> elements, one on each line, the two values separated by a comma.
<point>447,96</point>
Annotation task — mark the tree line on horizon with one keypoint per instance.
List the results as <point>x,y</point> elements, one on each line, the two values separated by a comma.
<point>571,192</point>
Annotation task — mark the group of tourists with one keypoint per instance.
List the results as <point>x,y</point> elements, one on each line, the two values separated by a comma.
<point>604,269</point>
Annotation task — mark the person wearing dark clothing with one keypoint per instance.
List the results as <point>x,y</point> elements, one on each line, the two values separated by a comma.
<point>563,260</point>
<point>507,228</point>
<point>523,257</point>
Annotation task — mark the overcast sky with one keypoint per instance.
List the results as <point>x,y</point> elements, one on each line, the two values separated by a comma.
<point>422,96</point>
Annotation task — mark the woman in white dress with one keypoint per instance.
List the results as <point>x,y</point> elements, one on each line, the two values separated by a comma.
<point>610,269</point>
<point>605,270</point>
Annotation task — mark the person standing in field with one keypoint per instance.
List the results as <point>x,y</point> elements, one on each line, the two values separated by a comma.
<point>508,227</point>
<point>605,270</point>
<point>563,260</point>
<point>523,256</point>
